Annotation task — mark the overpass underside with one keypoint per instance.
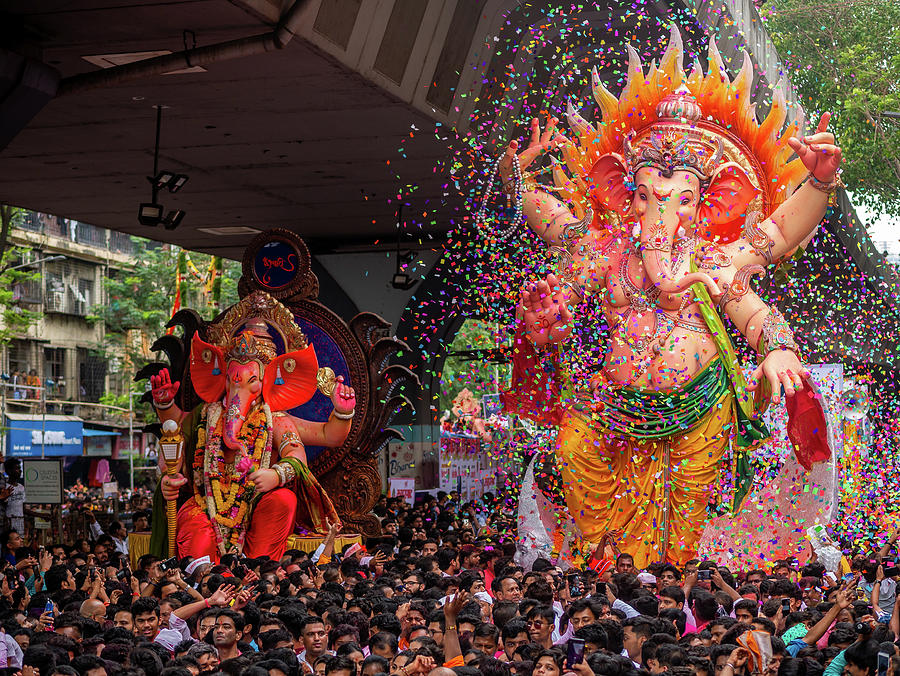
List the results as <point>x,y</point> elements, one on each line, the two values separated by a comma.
<point>321,116</point>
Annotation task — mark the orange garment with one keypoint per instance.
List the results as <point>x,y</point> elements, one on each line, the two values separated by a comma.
<point>271,524</point>
<point>616,482</point>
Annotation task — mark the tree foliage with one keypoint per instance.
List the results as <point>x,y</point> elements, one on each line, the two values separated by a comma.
<point>15,316</point>
<point>843,56</point>
<point>461,370</point>
<point>141,296</point>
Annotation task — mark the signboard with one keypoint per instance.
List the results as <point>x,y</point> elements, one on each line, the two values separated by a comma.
<point>43,481</point>
<point>110,489</point>
<point>35,436</point>
<point>98,443</point>
<point>403,488</point>
<point>403,458</point>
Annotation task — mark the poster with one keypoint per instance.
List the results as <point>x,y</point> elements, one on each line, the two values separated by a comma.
<point>403,488</point>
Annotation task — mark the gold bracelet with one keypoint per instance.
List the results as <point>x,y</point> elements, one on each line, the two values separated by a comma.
<point>278,470</point>
<point>287,471</point>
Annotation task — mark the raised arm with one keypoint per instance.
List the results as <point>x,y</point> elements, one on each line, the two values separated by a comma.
<point>891,541</point>
<point>794,222</point>
<point>768,333</point>
<point>333,432</point>
<point>844,600</point>
<point>545,214</point>
<point>163,391</point>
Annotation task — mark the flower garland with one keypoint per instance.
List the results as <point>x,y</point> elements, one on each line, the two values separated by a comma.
<point>227,496</point>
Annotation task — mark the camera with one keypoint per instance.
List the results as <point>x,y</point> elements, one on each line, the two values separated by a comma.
<point>168,564</point>
<point>705,574</point>
<point>124,575</point>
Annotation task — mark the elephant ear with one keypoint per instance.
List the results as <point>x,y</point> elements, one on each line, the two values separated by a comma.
<point>207,370</point>
<point>607,178</point>
<point>723,208</point>
<point>290,379</point>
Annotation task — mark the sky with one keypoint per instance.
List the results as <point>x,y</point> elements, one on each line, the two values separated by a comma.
<point>884,231</point>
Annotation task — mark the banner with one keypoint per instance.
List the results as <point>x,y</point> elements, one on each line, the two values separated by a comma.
<point>403,488</point>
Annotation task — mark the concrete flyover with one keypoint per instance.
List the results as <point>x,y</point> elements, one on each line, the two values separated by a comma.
<point>316,115</point>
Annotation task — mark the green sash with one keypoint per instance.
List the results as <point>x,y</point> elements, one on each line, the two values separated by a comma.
<point>749,429</point>
<point>645,414</point>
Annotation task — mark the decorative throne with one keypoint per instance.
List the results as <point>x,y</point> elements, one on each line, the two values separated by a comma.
<point>278,263</point>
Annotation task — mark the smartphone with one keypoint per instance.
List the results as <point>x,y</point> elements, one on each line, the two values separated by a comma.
<point>575,652</point>
<point>575,588</point>
<point>884,661</point>
<point>785,606</point>
<point>705,574</point>
<point>124,575</point>
<point>168,564</point>
<point>891,571</point>
<point>49,609</point>
<point>601,589</point>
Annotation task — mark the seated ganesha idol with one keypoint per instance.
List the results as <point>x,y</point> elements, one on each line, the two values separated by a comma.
<point>248,481</point>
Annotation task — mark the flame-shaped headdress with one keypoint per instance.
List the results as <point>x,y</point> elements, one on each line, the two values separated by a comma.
<point>671,120</point>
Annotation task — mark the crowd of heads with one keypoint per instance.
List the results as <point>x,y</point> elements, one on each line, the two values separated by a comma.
<point>439,593</point>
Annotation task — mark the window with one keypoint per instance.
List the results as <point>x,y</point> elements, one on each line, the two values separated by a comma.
<point>18,356</point>
<point>55,293</point>
<point>91,376</point>
<point>84,298</point>
<point>55,371</point>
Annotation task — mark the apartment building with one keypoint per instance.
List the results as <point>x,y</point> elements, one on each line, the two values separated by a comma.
<point>66,349</point>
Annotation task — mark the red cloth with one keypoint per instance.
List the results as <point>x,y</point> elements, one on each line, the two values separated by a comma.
<point>535,392</point>
<point>806,426</point>
<point>271,524</point>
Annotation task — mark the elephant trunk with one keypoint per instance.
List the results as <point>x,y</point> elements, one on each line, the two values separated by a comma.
<point>656,255</point>
<point>239,405</point>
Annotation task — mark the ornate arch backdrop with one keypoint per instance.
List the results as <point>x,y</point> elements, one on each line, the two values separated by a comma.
<point>362,350</point>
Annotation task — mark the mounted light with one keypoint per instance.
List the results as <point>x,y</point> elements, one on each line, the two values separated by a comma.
<point>150,214</point>
<point>168,180</point>
<point>177,182</point>
<point>403,281</point>
<point>173,219</point>
<point>162,179</point>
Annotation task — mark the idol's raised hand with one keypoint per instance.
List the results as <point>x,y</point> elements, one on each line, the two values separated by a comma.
<point>541,142</point>
<point>818,151</point>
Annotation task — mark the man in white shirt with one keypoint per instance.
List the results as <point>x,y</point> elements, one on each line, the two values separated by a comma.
<point>116,531</point>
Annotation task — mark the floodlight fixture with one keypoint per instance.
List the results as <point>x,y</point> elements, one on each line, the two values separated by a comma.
<point>173,219</point>
<point>403,281</point>
<point>177,182</point>
<point>150,214</point>
<point>162,179</point>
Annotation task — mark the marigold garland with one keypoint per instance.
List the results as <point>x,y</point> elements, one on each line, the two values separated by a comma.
<point>226,495</point>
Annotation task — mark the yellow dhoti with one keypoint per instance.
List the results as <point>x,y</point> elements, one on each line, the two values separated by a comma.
<point>656,490</point>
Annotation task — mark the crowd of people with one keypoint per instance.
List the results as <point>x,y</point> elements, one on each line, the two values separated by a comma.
<point>439,593</point>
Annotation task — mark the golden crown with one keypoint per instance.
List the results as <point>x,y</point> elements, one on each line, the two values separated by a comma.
<point>250,345</point>
<point>243,333</point>
<point>675,141</point>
